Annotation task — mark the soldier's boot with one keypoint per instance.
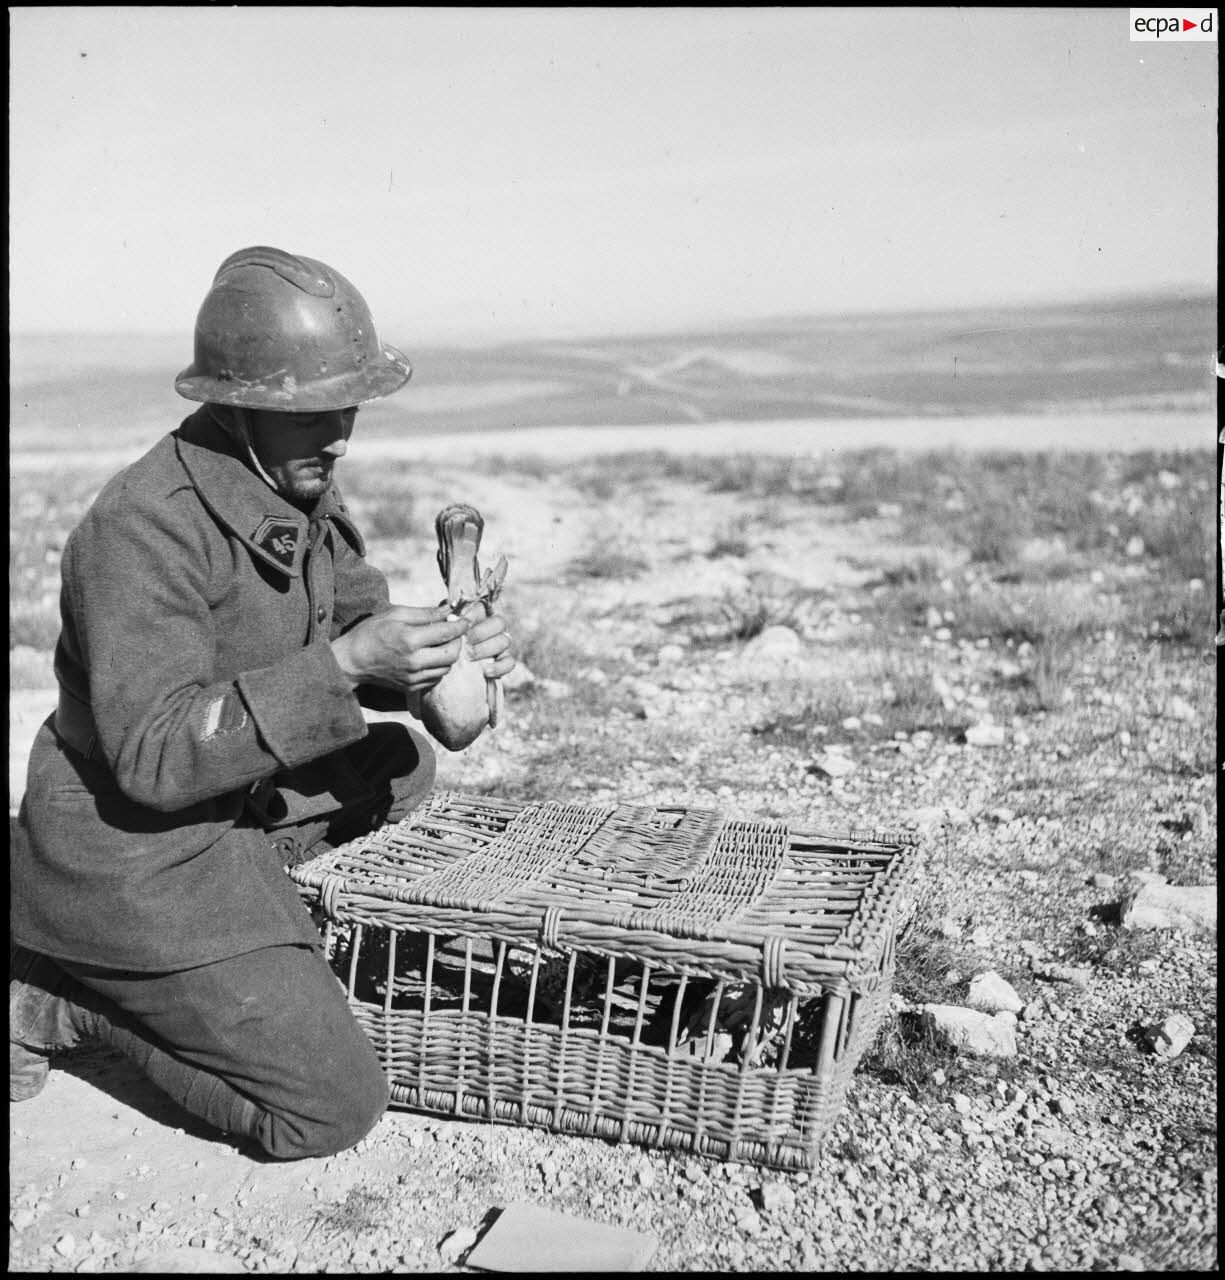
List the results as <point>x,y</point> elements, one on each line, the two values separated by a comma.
<point>44,1019</point>
<point>50,1012</point>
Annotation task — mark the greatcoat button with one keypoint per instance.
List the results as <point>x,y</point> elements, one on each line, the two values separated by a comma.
<point>321,613</point>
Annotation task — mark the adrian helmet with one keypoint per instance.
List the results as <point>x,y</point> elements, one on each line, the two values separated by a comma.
<point>279,331</point>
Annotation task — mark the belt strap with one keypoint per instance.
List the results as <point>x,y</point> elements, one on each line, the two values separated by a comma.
<point>74,722</point>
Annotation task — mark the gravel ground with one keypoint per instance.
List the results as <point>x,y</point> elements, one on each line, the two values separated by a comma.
<point>1083,1151</point>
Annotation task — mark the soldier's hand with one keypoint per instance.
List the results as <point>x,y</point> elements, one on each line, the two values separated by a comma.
<point>405,648</point>
<point>489,644</point>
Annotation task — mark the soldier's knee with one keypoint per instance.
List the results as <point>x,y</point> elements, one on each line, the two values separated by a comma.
<point>339,1116</point>
<point>413,771</point>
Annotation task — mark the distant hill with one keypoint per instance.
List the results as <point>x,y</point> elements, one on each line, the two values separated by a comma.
<point>67,392</point>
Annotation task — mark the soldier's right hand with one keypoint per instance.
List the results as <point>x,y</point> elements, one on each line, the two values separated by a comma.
<point>405,648</point>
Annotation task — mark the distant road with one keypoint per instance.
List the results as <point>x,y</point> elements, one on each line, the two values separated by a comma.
<point>1088,432</point>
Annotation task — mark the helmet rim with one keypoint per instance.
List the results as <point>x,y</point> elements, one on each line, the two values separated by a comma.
<point>380,377</point>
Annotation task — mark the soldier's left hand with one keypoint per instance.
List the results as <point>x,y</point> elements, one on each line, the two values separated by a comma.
<point>490,644</point>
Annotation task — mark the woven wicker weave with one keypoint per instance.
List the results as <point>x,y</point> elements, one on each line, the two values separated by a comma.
<point>661,976</point>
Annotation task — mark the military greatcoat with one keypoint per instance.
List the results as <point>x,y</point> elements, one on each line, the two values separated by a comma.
<point>193,662</point>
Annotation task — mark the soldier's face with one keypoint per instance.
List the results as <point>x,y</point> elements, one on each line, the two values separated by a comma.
<point>299,450</point>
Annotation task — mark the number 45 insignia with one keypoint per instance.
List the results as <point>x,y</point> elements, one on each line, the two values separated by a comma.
<point>278,537</point>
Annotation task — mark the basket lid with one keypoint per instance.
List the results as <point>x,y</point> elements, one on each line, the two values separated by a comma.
<point>679,887</point>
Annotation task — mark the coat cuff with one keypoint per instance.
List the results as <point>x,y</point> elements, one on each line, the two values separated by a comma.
<point>304,706</point>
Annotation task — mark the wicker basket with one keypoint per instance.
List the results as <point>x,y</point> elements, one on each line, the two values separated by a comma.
<point>658,976</point>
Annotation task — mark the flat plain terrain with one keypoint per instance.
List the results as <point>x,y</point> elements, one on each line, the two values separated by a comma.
<point>711,628</point>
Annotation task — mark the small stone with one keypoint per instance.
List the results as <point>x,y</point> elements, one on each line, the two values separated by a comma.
<point>832,764</point>
<point>985,734</point>
<point>646,1176</point>
<point>22,1218</point>
<point>748,1223</point>
<point>938,1076</point>
<point>1063,1106</point>
<point>776,1197</point>
<point>1180,709</point>
<point>993,994</point>
<point>970,1031</point>
<point>961,1104</point>
<point>1189,909</point>
<point>948,928</point>
<point>66,1246</point>
<point>1078,976</point>
<point>457,1243</point>
<point>982,936</point>
<point>1103,880</point>
<point>1169,1038</point>
<point>1130,1262</point>
<point>78,1163</point>
<point>83,1210</point>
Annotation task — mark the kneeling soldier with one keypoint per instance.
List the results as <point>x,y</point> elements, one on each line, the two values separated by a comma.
<point>221,632</point>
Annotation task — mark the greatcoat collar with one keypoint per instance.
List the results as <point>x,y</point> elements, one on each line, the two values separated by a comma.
<point>272,528</point>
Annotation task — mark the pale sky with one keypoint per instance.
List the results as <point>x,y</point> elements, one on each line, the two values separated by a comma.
<point>498,173</point>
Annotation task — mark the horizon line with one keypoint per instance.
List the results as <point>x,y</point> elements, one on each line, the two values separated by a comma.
<point>1185,291</point>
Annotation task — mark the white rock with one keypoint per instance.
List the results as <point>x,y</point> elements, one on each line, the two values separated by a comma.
<point>961,1104</point>
<point>1169,1038</point>
<point>671,653</point>
<point>1135,546</point>
<point>777,1197</point>
<point>947,927</point>
<point>992,994</point>
<point>985,734</point>
<point>1188,908</point>
<point>970,1031</point>
<point>1102,880</point>
<point>774,644</point>
<point>833,764</point>
<point>555,688</point>
<point>457,1242</point>
<point>981,937</point>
